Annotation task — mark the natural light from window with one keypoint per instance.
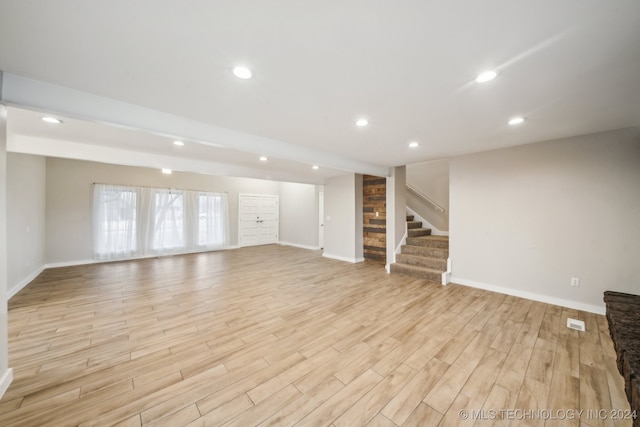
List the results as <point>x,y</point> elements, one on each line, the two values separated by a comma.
<point>133,222</point>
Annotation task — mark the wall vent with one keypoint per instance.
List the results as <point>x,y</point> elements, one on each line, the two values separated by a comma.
<point>578,325</point>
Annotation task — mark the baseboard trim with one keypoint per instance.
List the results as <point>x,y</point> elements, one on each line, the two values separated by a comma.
<point>24,282</point>
<point>342,258</point>
<point>5,382</point>
<point>296,245</point>
<point>446,276</point>
<point>98,261</point>
<point>530,295</point>
<point>74,263</point>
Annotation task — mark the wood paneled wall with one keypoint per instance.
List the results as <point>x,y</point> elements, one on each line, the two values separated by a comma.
<point>375,217</point>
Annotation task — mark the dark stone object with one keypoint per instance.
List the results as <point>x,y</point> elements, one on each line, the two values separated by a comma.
<point>623,315</point>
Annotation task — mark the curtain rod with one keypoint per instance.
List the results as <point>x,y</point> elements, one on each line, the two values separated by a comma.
<point>161,188</point>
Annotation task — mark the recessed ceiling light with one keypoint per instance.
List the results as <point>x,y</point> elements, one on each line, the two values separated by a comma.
<point>362,122</point>
<point>242,72</point>
<point>178,143</point>
<point>166,171</point>
<point>486,76</point>
<point>315,167</point>
<point>263,158</point>
<point>51,120</point>
<point>414,144</point>
<point>516,121</point>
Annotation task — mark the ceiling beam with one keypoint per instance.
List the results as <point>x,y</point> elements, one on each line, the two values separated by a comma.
<point>34,94</point>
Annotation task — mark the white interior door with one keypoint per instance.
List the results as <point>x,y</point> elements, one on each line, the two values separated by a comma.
<point>268,214</point>
<point>258,218</point>
<point>247,222</point>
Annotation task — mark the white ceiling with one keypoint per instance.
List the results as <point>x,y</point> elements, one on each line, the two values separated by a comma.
<point>570,67</point>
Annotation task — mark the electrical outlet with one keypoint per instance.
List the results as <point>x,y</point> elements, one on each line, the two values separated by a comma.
<point>575,281</point>
<point>377,213</point>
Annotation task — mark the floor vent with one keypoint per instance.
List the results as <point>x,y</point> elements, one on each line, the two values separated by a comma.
<point>578,325</point>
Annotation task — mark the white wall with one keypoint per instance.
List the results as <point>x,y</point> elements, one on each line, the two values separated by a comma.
<point>432,180</point>
<point>69,199</point>
<point>6,374</point>
<point>343,233</point>
<point>525,220</point>
<point>25,219</point>
<point>396,211</point>
<point>299,215</point>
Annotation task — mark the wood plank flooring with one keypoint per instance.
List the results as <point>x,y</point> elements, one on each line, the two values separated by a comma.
<point>276,335</point>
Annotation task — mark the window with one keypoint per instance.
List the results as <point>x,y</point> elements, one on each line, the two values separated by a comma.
<point>168,220</point>
<point>210,220</point>
<point>137,221</point>
<point>115,221</point>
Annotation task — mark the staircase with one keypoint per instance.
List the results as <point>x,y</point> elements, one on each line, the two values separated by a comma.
<point>424,256</point>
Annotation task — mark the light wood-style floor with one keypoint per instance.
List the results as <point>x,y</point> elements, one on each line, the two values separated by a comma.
<point>276,335</point>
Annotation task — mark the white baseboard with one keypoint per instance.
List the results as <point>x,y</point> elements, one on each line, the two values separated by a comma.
<point>74,263</point>
<point>5,382</point>
<point>24,282</point>
<point>342,258</point>
<point>295,245</point>
<point>403,241</point>
<point>446,276</point>
<point>530,295</point>
<point>97,261</point>
<point>427,224</point>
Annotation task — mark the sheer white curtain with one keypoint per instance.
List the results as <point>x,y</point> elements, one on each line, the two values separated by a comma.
<point>137,221</point>
<point>213,220</point>
<point>115,221</point>
<point>169,221</point>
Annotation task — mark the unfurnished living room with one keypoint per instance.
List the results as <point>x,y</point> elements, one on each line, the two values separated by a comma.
<point>412,213</point>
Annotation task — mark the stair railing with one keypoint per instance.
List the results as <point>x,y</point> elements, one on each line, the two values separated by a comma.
<point>425,198</point>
